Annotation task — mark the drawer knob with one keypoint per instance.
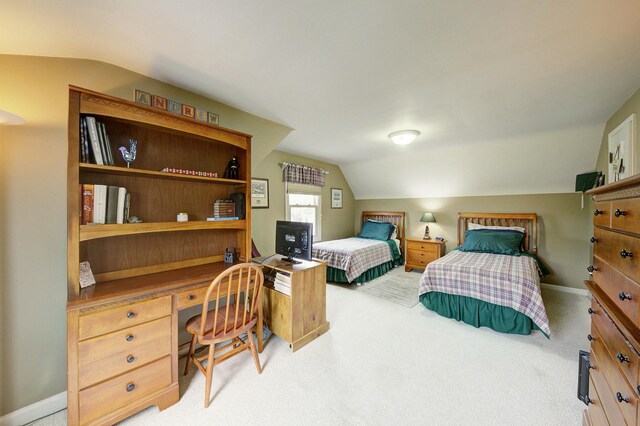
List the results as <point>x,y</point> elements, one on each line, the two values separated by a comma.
<point>131,358</point>
<point>621,398</point>
<point>622,358</point>
<point>131,314</point>
<point>190,297</point>
<point>587,400</point>
<point>130,387</point>
<point>593,240</point>
<point>591,268</point>
<point>597,212</point>
<point>129,337</point>
<point>624,254</point>
<point>590,338</point>
<point>591,367</point>
<point>619,213</point>
<point>624,296</point>
<point>591,311</point>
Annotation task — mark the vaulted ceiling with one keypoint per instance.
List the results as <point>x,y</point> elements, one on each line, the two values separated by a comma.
<point>510,96</point>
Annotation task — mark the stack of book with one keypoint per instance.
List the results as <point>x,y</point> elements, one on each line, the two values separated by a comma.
<point>282,283</point>
<point>224,210</point>
<point>104,204</point>
<point>95,146</point>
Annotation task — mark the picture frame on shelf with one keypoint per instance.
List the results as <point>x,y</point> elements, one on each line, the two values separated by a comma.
<point>336,198</point>
<point>259,193</point>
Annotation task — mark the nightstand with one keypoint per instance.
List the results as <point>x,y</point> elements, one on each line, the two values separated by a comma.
<point>420,253</point>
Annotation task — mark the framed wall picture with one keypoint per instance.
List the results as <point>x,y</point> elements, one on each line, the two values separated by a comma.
<point>621,150</point>
<point>336,198</point>
<point>259,193</point>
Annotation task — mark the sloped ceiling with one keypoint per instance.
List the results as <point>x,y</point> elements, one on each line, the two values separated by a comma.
<point>511,96</point>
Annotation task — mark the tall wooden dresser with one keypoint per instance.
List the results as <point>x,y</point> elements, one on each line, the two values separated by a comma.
<point>614,379</point>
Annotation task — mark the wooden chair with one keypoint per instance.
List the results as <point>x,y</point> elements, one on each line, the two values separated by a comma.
<point>240,287</point>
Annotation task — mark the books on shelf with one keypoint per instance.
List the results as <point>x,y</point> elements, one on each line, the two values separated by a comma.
<point>284,276</point>
<point>94,142</point>
<point>224,209</point>
<point>213,219</point>
<point>104,204</point>
<point>282,288</point>
<point>189,172</point>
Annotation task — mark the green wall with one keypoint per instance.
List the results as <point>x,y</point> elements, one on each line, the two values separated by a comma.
<point>33,208</point>
<point>632,105</point>
<point>336,223</point>
<point>563,231</point>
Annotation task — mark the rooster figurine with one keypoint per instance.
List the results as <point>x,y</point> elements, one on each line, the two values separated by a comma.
<point>130,154</point>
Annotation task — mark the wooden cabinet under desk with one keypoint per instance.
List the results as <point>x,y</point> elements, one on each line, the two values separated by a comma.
<point>302,316</point>
<point>420,253</point>
<point>614,337</point>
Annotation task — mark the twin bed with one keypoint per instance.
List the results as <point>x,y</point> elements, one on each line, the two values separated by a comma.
<point>359,260</point>
<point>493,278</point>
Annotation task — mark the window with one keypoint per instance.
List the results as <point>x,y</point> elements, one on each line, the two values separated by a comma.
<point>304,204</point>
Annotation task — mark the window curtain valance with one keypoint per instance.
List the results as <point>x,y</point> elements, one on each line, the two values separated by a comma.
<point>297,173</point>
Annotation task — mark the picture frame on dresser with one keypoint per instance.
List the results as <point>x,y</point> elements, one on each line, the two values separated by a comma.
<point>621,149</point>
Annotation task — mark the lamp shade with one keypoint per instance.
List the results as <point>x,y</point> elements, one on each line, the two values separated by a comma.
<point>427,217</point>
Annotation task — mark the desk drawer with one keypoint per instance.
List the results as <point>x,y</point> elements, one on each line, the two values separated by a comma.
<point>107,396</point>
<point>191,297</point>
<point>606,401</point>
<point>620,350</point>
<point>628,215</point>
<point>610,247</point>
<point>106,356</point>
<point>618,386</point>
<point>103,322</point>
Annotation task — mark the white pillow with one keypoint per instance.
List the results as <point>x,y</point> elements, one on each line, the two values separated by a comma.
<point>512,228</point>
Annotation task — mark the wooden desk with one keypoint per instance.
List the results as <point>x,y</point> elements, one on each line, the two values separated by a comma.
<point>123,342</point>
<point>301,317</point>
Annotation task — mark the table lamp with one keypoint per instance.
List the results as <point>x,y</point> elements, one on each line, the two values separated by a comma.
<point>427,217</point>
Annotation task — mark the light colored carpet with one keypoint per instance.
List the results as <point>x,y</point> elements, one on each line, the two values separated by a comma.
<point>396,286</point>
<point>381,363</point>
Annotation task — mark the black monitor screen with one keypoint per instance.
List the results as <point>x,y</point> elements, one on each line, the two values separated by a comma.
<point>294,239</point>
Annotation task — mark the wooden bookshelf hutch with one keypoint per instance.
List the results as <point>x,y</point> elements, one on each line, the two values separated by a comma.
<point>122,332</point>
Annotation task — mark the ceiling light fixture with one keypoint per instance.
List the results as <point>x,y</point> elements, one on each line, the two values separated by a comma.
<point>403,137</point>
<point>10,119</point>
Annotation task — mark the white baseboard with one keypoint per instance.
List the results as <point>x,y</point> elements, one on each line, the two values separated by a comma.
<point>35,411</point>
<point>580,291</point>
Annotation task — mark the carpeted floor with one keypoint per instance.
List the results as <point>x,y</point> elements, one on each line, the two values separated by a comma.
<point>381,363</point>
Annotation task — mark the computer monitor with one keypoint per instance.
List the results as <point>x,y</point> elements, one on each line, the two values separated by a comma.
<point>294,239</point>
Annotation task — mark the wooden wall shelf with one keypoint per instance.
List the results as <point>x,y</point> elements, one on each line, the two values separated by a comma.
<point>91,232</point>
<point>123,171</point>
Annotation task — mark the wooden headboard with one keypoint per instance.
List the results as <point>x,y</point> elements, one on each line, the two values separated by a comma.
<point>397,218</point>
<point>528,221</point>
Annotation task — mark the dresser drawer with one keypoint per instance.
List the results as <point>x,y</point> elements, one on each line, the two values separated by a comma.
<point>625,215</point>
<point>106,356</point>
<point>596,410</point>
<point>426,247</point>
<point>191,297</point>
<point>619,288</point>
<point>607,401</point>
<point>107,396</point>
<point>620,350</point>
<point>612,246</point>
<point>103,322</point>
<point>621,393</point>
<point>602,214</point>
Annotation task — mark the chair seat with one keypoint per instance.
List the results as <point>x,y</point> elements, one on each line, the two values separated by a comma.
<point>193,324</point>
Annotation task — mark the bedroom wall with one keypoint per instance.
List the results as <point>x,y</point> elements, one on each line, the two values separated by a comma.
<point>33,208</point>
<point>632,105</point>
<point>336,223</point>
<point>563,226</point>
